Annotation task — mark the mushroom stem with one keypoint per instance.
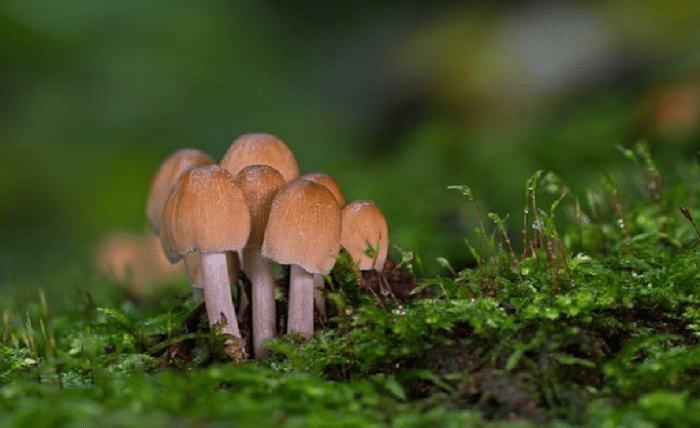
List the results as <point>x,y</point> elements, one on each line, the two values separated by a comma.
<point>319,297</point>
<point>217,292</point>
<point>191,266</point>
<point>263,284</point>
<point>301,302</point>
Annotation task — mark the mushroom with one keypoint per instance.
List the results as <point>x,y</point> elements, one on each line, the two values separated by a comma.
<point>364,227</point>
<point>332,185</point>
<point>161,186</point>
<point>118,255</point>
<point>328,182</point>
<point>303,231</point>
<point>207,212</point>
<point>135,259</point>
<point>260,149</point>
<point>260,184</point>
<point>164,180</point>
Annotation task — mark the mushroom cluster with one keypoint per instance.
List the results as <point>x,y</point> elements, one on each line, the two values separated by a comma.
<point>255,204</point>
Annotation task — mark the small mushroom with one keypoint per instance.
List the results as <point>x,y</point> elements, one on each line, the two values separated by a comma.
<point>363,228</point>
<point>303,231</point>
<point>260,184</point>
<point>164,180</point>
<point>118,255</point>
<point>136,260</point>
<point>328,182</point>
<point>208,213</point>
<point>260,149</point>
<point>161,186</point>
<point>319,284</point>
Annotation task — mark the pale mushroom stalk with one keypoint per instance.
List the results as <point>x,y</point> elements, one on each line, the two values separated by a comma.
<point>217,293</point>
<point>263,285</point>
<point>319,298</point>
<point>301,301</point>
<point>193,265</point>
<point>260,184</point>
<point>234,269</point>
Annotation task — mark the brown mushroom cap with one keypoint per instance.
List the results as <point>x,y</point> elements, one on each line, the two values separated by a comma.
<point>304,227</point>
<point>135,258</point>
<point>364,224</point>
<point>260,149</point>
<point>165,179</point>
<point>327,181</point>
<point>206,212</point>
<point>260,184</point>
<point>118,254</point>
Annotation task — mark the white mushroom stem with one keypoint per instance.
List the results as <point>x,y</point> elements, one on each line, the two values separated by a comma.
<point>301,302</point>
<point>319,297</point>
<point>197,289</point>
<point>217,292</point>
<point>259,269</point>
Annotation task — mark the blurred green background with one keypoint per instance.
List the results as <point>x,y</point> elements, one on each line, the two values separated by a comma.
<point>397,100</point>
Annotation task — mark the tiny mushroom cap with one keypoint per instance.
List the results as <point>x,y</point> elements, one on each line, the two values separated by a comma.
<point>260,184</point>
<point>304,227</point>
<point>156,260</point>
<point>117,254</point>
<point>364,226</point>
<point>136,259</point>
<point>260,149</point>
<point>327,181</point>
<point>206,212</point>
<point>165,179</point>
